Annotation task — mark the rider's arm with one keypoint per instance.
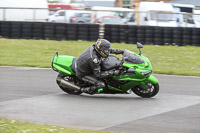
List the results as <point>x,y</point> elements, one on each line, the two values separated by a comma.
<point>116,51</point>
<point>96,68</point>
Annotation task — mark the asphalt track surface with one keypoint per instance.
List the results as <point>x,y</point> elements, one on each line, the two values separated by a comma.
<point>31,95</point>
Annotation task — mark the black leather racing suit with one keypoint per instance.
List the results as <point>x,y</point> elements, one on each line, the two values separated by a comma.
<point>88,67</point>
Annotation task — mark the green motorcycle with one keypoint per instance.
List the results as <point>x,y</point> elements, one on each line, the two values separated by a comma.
<point>136,75</point>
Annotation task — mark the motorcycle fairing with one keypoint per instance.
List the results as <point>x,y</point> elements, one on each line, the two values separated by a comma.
<point>134,82</point>
<point>63,64</point>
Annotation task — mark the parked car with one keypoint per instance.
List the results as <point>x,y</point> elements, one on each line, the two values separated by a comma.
<point>81,18</point>
<point>110,20</point>
<point>64,16</point>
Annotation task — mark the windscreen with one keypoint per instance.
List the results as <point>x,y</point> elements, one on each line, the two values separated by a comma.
<point>132,58</point>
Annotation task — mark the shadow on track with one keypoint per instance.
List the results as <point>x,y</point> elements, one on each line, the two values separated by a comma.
<point>108,96</point>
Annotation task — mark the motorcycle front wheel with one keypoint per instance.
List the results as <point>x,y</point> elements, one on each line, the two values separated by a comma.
<point>150,91</point>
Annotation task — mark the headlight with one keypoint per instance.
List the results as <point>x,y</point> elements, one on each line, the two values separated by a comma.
<point>146,73</point>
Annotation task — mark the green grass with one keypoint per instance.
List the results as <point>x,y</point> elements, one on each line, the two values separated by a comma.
<point>13,126</point>
<point>183,60</point>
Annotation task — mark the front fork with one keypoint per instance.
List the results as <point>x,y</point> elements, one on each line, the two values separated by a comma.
<point>151,79</point>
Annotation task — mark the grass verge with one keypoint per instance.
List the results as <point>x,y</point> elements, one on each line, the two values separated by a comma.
<point>13,126</point>
<point>183,60</point>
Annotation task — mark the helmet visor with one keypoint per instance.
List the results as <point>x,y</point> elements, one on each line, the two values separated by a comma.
<point>106,50</point>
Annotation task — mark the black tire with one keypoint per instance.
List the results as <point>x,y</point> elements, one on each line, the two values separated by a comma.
<point>177,36</point>
<point>96,26</point>
<point>93,29</point>
<point>71,32</point>
<point>60,37</point>
<point>94,33</point>
<point>187,31</point>
<point>196,31</point>
<point>72,28</point>
<point>93,38</point>
<point>177,32</point>
<point>114,30</point>
<point>72,37</point>
<point>149,31</point>
<point>186,37</point>
<point>140,35</point>
<point>142,27</point>
<point>149,35</point>
<point>60,32</point>
<point>38,25</point>
<point>140,31</point>
<point>67,90</point>
<point>83,29</point>
<point>158,31</point>
<point>149,40</point>
<point>148,93</point>
<point>195,38</point>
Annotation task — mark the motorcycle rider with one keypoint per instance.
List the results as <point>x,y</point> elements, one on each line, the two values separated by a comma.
<point>88,65</point>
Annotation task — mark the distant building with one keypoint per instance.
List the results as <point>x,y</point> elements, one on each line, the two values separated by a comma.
<point>191,2</point>
<point>125,3</point>
<point>89,3</point>
<point>131,3</point>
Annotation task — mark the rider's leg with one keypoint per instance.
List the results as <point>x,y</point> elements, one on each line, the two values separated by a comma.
<point>96,84</point>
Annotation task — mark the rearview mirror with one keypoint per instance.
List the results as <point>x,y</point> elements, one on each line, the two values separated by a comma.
<point>139,45</point>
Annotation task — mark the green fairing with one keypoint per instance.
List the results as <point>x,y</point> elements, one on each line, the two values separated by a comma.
<point>152,79</point>
<point>138,78</point>
<point>63,64</point>
<point>113,88</point>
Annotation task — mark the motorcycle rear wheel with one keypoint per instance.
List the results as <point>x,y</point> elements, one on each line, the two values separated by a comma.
<point>150,91</point>
<point>65,89</point>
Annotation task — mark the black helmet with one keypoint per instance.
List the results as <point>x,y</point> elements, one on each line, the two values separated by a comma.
<point>102,46</point>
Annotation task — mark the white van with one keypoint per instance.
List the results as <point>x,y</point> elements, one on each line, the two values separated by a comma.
<point>184,19</point>
<point>197,18</point>
<point>64,16</point>
<point>155,14</point>
<point>20,14</point>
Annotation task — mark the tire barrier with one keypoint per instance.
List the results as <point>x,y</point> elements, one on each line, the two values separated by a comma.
<point>26,30</point>
<point>49,31</point>
<point>131,34</point>
<point>5,29</point>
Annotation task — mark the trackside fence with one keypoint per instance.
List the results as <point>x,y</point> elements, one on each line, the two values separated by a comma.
<point>50,31</point>
<point>132,34</point>
<point>129,34</point>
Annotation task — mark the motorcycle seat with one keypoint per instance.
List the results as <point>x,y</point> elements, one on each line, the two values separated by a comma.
<point>73,65</point>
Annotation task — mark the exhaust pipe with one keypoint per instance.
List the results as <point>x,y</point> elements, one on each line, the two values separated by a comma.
<point>67,84</point>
